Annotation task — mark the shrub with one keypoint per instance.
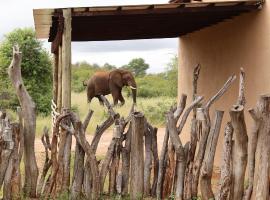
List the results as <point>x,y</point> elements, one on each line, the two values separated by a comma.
<point>36,69</point>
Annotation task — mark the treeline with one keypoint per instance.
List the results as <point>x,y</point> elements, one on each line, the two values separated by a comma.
<point>149,85</point>
<point>37,73</point>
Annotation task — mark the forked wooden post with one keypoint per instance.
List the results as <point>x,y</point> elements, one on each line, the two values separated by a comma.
<point>137,157</point>
<point>66,90</point>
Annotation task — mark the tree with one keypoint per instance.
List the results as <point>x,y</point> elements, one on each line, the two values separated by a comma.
<point>36,69</point>
<point>108,66</point>
<point>172,75</point>
<point>138,66</point>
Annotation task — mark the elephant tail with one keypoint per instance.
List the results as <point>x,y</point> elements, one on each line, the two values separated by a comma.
<point>84,83</point>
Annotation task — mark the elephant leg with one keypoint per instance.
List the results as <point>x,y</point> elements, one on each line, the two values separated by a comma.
<point>100,100</point>
<point>121,98</point>
<point>115,95</point>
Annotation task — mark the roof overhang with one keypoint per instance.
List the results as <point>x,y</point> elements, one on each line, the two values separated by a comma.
<point>139,21</point>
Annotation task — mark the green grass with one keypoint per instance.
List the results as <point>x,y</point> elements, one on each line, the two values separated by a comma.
<point>153,108</point>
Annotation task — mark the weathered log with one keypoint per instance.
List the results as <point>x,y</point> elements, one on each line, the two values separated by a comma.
<point>180,154</point>
<point>66,97</point>
<point>155,160</point>
<point>80,137</point>
<point>126,161</point>
<point>137,155</point>
<point>48,162</point>
<point>193,138</point>
<point>208,162</point>
<point>147,161</point>
<point>226,179</point>
<point>187,112</point>
<point>251,153</point>
<point>162,160</point>
<point>64,154</point>
<point>181,106</point>
<point>206,124</point>
<point>241,97</point>
<point>115,163</point>
<point>12,187</point>
<point>50,188</point>
<point>239,156</point>
<point>162,164</point>
<point>29,116</point>
<point>106,162</point>
<point>99,132</point>
<point>5,157</point>
<point>59,80</point>
<point>78,173</point>
<point>261,174</point>
<point>55,76</point>
<point>169,172</point>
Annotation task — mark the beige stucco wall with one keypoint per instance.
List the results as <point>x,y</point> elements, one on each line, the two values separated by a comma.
<point>222,49</point>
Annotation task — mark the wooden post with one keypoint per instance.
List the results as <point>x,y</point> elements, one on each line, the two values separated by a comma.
<point>55,77</point>
<point>208,162</point>
<point>29,117</point>
<point>59,80</point>
<point>137,156</point>
<point>239,152</point>
<point>261,173</point>
<point>66,91</point>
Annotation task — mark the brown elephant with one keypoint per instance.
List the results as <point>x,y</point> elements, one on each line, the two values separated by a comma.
<point>111,82</point>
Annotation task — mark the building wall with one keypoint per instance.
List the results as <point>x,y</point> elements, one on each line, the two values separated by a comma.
<point>222,49</point>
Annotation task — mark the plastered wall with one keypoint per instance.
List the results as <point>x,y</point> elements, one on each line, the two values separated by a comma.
<point>222,49</point>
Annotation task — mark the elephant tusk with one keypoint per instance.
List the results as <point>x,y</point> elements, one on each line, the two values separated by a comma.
<point>133,88</point>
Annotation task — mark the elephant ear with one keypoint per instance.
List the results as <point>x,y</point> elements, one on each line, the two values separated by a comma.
<point>115,79</point>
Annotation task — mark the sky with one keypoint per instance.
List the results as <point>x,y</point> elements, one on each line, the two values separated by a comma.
<point>156,52</point>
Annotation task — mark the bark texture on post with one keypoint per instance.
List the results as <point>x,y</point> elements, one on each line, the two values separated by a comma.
<point>148,162</point>
<point>78,173</point>
<point>253,139</point>
<point>48,162</point>
<point>162,164</point>
<point>55,76</point>
<point>239,157</point>
<point>261,175</point>
<point>208,162</point>
<point>126,161</point>
<point>59,80</point>
<point>226,179</point>
<point>66,93</point>
<point>29,118</point>
<point>155,161</point>
<point>137,155</point>
<point>206,125</point>
<point>180,155</point>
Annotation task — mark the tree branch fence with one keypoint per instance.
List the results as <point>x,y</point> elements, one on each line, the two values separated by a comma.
<point>132,167</point>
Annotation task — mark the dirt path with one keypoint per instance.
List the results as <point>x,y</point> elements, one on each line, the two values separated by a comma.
<point>103,144</point>
<point>102,147</point>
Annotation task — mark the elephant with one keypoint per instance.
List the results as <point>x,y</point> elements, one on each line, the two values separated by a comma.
<point>110,82</point>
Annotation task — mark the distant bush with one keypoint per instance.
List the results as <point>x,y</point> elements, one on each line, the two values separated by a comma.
<point>156,112</point>
<point>36,70</point>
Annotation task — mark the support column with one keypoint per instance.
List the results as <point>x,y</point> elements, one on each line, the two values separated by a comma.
<point>55,77</point>
<point>66,92</point>
<point>66,60</point>
<point>59,84</point>
<point>137,157</point>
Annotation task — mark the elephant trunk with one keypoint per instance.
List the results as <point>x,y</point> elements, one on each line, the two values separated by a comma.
<point>134,90</point>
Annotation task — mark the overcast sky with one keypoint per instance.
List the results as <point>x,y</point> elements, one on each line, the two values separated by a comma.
<point>156,52</point>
